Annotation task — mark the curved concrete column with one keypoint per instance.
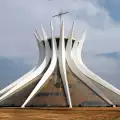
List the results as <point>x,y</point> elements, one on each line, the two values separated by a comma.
<point>47,73</point>
<point>74,68</point>
<point>32,77</point>
<point>41,49</point>
<point>7,88</point>
<point>78,61</point>
<point>62,65</point>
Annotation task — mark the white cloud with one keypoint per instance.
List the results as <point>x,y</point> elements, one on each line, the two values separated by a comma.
<point>19,18</point>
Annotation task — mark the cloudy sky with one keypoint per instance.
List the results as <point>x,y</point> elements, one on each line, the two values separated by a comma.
<point>101,52</point>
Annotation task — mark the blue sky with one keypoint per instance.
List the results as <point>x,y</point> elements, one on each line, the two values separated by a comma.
<point>19,18</point>
<point>113,8</point>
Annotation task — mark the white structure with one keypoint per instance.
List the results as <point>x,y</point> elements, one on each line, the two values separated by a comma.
<point>61,79</point>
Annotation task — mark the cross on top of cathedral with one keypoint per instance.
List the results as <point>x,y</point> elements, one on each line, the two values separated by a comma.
<point>60,14</point>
